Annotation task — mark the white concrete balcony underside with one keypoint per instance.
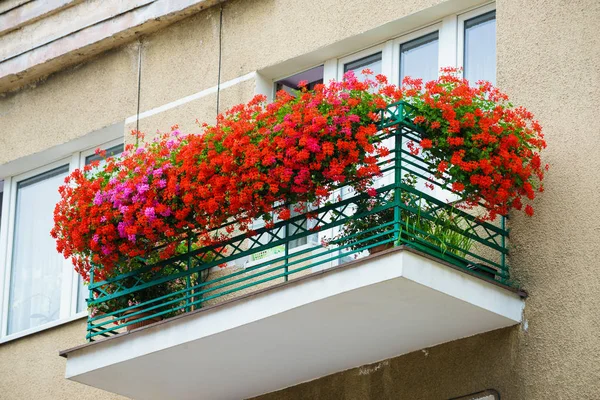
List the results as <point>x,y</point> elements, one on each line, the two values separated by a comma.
<point>370,310</point>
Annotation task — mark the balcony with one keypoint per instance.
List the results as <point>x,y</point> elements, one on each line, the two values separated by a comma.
<point>357,280</point>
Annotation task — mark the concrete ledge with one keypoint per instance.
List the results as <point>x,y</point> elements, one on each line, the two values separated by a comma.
<point>30,12</point>
<point>87,41</point>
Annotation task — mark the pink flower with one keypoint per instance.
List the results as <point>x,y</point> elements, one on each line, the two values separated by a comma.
<point>149,212</point>
<point>143,188</point>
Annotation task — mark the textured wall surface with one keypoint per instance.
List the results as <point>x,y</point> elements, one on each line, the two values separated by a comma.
<point>548,57</point>
<point>450,370</point>
<point>69,104</point>
<point>31,369</point>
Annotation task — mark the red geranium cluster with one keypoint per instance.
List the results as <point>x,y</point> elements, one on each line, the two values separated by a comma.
<point>296,149</point>
<point>474,136</point>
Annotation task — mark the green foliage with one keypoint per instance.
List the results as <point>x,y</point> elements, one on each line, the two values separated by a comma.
<point>447,232</point>
<point>376,223</point>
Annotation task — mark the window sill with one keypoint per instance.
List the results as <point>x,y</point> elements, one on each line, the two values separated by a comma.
<point>44,327</point>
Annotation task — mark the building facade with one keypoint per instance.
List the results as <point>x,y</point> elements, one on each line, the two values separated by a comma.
<point>78,75</point>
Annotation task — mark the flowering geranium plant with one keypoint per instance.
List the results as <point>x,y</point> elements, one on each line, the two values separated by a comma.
<point>294,150</point>
<point>474,135</point>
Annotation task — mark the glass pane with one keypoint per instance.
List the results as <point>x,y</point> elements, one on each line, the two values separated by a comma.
<point>35,284</point>
<point>480,48</point>
<point>372,62</point>
<point>313,76</point>
<point>110,152</point>
<point>419,58</point>
<point>82,291</point>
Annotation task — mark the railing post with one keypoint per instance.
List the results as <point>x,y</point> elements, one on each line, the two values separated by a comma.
<point>397,179</point>
<point>287,250</point>
<point>188,279</point>
<point>503,241</point>
<point>87,301</point>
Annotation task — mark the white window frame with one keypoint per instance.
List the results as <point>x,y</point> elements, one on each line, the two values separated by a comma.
<point>383,48</point>
<point>70,280</point>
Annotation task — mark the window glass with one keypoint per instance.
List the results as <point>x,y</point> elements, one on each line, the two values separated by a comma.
<point>313,76</point>
<point>480,48</point>
<point>82,291</point>
<point>110,152</point>
<point>372,62</point>
<point>419,58</point>
<point>35,283</point>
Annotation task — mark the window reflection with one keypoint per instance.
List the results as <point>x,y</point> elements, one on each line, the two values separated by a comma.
<point>480,48</point>
<point>419,58</point>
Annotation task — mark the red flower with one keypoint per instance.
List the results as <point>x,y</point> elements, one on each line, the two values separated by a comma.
<point>419,119</point>
<point>491,148</point>
<point>458,187</point>
<point>284,214</point>
<point>442,167</point>
<point>529,210</point>
<point>295,150</point>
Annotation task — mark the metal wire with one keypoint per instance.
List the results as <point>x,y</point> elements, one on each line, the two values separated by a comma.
<point>139,92</point>
<point>220,55</point>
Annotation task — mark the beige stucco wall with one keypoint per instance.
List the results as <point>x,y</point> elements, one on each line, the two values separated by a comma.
<point>69,104</point>
<point>31,369</point>
<point>548,52</point>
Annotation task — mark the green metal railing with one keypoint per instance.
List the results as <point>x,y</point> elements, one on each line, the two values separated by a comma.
<point>405,212</point>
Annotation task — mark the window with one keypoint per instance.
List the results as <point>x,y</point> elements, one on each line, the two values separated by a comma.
<point>36,267</point>
<point>40,288</point>
<point>419,58</point>
<point>110,152</point>
<point>313,76</point>
<point>479,61</point>
<point>372,62</point>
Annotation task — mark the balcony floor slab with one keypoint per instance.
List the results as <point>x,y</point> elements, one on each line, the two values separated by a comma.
<point>366,311</point>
